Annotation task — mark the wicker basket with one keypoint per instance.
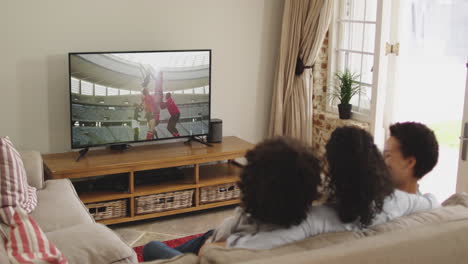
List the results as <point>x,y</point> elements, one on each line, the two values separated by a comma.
<point>222,192</point>
<point>107,210</point>
<point>163,202</point>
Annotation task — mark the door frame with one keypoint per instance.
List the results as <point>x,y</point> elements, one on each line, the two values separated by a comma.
<point>462,181</point>
<point>380,71</point>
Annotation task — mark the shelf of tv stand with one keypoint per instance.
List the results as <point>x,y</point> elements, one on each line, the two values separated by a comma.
<point>209,175</point>
<point>163,188</point>
<point>168,213</point>
<point>207,167</point>
<point>184,183</point>
<point>218,174</point>
<point>102,196</point>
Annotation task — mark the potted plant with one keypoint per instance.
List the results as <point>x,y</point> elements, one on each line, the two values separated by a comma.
<point>346,86</point>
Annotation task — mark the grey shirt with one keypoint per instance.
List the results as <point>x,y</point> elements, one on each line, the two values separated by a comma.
<point>241,231</point>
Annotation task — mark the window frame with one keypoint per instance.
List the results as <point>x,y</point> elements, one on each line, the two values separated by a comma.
<point>335,33</point>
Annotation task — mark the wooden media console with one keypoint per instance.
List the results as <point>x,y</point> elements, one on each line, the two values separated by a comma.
<point>199,167</point>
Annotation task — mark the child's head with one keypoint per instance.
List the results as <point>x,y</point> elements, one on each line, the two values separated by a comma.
<point>410,152</point>
<point>357,176</point>
<point>168,95</point>
<point>145,91</point>
<point>280,181</point>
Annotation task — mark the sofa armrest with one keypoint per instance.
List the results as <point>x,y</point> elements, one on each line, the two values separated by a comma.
<point>32,161</point>
<point>92,244</point>
<point>460,198</point>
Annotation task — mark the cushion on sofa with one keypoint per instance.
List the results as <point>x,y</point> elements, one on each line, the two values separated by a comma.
<point>455,208</point>
<point>457,199</point>
<point>33,165</point>
<point>25,243</point>
<point>14,188</point>
<point>430,244</point>
<point>59,206</point>
<point>214,254</point>
<point>92,243</point>
<point>434,216</point>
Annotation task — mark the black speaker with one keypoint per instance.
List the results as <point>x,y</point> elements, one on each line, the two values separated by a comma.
<point>216,131</point>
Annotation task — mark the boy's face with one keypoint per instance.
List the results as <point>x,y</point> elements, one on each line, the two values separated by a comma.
<point>401,168</point>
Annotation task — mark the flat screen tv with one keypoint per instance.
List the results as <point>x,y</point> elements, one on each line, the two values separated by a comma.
<point>138,96</point>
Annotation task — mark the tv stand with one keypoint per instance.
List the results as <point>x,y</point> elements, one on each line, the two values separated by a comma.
<point>120,147</point>
<point>199,140</point>
<point>82,153</point>
<point>204,170</point>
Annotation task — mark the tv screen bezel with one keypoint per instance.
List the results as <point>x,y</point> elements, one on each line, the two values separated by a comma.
<point>137,141</point>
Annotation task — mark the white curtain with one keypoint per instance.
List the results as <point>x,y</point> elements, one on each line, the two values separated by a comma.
<point>305,24</point>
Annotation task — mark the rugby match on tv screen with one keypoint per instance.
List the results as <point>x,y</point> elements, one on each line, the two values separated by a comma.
<point>138,96</point>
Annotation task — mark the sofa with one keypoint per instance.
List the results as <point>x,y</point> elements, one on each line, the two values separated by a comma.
<point>436,236</point>
<point>67,223</point>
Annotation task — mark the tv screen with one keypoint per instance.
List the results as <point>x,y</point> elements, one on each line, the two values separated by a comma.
<point>126,97</point>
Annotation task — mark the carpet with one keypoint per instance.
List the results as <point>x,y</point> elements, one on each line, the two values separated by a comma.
<point>172,243</point>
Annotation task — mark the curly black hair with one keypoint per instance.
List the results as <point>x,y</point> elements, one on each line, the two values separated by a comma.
<point>358,179</point>
<point>418,141</point>
<point>280,181</point>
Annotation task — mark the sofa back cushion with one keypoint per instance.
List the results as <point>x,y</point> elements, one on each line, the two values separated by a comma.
<point>34,166</point>
<point>14,187</point>
<point>24,240</point>
<point>435,216</point>
<point>92,243</point>
<point>214,254</point>
<point>60,207</point>
<point>454,209</point>
<point>429,244</point>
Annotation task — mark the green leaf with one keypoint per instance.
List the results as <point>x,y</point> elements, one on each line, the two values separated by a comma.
<point>345,87</point>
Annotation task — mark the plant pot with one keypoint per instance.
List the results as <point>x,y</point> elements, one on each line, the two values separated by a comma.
<point>345,111</point>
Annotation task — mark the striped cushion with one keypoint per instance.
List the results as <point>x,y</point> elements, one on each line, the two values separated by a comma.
<point>24,240</point>
<point>14,188</point>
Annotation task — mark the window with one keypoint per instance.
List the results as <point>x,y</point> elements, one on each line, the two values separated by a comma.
<point>75,86</point>
<point>188,91</point>
<point>199,90</point>
<point>352,47</point>
<point>112,91</point>
<point>87,88</point>
<point>99,90</point>
<point>124,92</point>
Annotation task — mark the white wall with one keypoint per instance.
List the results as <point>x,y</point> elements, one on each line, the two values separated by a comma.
<point>35,37</point>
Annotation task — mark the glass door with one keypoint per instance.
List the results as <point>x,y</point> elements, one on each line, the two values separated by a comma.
<point>426,78</point>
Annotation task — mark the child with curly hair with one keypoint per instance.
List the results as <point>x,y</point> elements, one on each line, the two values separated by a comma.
<point>278,185</point>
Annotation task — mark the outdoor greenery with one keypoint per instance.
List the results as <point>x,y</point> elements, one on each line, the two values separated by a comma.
<point>447,133</point>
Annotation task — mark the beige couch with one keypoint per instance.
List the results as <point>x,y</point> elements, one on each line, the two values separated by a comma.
<point>436,236</point>
<point>66,222</point>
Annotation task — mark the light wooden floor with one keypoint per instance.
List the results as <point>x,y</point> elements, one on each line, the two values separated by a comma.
<point>171,227</point>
